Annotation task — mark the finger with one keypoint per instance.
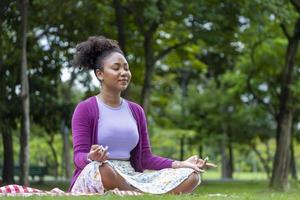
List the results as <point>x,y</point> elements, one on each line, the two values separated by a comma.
<point>106,155</point>
<point>105,149</point>
<point>197,169</point>
<point>210,165</point>
<point>94,146</point>
<point>96,153</point>
<point>93,152</point>
<point>199,161</point>
<point>96,150</point>
<point>103,156</point>
<point>99,151</point>
<point>103,153</point>
<point>204,162</point>
<point>194,167</point>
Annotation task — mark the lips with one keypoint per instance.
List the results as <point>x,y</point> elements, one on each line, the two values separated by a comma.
<point>124,81</point>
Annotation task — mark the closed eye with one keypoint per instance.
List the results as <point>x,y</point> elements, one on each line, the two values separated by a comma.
<point>117,66</point>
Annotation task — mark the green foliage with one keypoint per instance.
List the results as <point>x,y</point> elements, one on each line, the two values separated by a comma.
<point>224,76</point>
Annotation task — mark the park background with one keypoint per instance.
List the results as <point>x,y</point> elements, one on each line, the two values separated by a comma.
<point>217,78</point>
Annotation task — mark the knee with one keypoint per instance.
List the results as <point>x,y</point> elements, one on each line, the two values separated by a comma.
<point>107,171</point>
<point>193,180</point>
<point>108,176</point>
<point>188,185</point>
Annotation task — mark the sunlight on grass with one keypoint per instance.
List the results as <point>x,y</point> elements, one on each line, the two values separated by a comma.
<point>215,175</point>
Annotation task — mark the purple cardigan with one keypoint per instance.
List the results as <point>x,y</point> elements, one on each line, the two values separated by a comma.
<point>84,133</point>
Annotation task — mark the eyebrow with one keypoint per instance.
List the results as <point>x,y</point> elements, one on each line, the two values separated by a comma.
<point>117,63</point>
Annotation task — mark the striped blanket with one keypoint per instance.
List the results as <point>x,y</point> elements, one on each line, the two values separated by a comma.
<point>18,190</point>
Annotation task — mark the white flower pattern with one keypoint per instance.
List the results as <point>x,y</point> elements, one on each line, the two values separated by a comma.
<point>153,182</point>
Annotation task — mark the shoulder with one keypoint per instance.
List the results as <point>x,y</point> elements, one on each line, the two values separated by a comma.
<point>135,107</point>
<point>87,106</point>
<point>137,111</point>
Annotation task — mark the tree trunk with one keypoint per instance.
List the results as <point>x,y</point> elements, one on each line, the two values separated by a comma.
<point>281,163</point>
<point>264,162</point>
<point>190,146</point>
<point>50,143</point>
<point>8,158</point>
<point>119,14</point>
<point>182,139</point>
<point>293,166</point>
<point>200,150</point>
<point>66,150</point>
<point>231,159</point>
<point>149,60</point>
<point>269,155</point>
<point>25,124</point>
<point>225,158</point>
<point>119,20</point>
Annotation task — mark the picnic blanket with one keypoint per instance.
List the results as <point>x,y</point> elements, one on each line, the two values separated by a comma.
<point>18,190</point>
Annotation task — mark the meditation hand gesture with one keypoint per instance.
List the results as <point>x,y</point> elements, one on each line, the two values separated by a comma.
<point>98,153</point>
<point>194,162</point>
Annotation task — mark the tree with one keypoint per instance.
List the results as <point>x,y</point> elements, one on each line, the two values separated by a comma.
<point>149,17</point>
<point>286,111</point>
<point>278,99</point>
<point>25,130</point>
<point>8,99</point>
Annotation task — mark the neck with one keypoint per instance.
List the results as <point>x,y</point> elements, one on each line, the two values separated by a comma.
<point>109,98</point>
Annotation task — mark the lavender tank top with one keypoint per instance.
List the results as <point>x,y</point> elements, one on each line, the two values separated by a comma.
<point>117,129</point>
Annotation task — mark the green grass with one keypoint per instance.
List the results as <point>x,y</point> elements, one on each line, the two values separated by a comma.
<point>212,190</point>
<point>215,175</point>
<point>245,186</point>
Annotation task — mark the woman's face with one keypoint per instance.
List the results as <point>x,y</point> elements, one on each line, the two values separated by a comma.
<point>115,74</point>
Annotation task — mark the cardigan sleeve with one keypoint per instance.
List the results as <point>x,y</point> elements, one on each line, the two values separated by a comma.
<point>149,160</point>
<point>81,134</point>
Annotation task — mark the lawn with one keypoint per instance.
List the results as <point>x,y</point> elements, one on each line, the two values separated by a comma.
<point>239,189</point>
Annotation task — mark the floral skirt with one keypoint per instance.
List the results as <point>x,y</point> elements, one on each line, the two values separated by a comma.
<point>153,182</point>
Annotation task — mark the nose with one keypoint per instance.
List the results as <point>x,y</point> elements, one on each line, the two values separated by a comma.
<point>124,72</point>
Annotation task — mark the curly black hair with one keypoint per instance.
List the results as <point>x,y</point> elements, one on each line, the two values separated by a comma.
<point>90,54</point>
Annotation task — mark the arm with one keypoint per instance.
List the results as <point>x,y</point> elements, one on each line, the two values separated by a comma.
<point>81,134</point>
<point>150,161</point>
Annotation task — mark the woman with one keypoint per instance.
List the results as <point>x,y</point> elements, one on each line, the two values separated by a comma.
<point>110,139</point>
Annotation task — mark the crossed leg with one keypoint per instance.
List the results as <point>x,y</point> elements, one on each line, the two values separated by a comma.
<point>188,185</point>
<point>111,180</point>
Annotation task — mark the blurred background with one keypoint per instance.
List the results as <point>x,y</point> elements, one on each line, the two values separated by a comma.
<point>217,78</point>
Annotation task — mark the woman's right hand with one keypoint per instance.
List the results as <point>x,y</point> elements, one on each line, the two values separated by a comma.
<point>98,153</point>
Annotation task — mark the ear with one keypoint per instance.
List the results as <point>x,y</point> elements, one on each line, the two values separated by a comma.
<point>99,74</point>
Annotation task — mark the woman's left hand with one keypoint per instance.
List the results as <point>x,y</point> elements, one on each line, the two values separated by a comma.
<point>194,162</point>
<point>200,163</point>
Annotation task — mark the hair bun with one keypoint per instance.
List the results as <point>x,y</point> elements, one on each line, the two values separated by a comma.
<point>87,52</point>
